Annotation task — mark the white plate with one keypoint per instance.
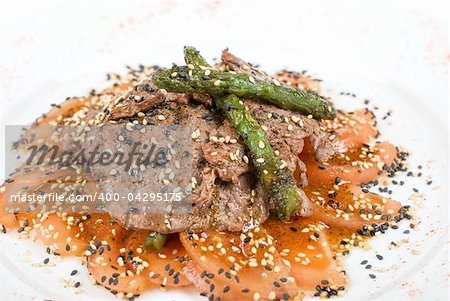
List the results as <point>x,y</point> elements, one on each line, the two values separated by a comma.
<point>399,63</point>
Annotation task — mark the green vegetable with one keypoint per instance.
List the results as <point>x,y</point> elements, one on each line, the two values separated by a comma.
<point>192,56</point>
<point>276,179</point>
<point>200,79</point>
<point>155,241</point>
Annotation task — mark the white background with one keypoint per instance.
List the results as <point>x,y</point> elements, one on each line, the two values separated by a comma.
<point>53,49</point>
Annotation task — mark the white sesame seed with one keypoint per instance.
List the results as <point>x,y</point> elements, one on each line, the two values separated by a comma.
<point>256,296</point>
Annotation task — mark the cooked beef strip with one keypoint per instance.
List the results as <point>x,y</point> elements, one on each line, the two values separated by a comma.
<point>219,177</point>
<point>144,96</point>
<point>232,207</point>
<point>230,62</point>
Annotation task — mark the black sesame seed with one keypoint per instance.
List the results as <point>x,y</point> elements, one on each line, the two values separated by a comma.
<point>74,272</point>
<point>379,257</point>
<point>372,276</point>
<point>337,180</point>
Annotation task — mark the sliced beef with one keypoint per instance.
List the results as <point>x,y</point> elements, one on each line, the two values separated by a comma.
<point>223,181</point>
<point>143,97</point>
<point>225,192</point>
<point>230,62</point>
<point>232,207</point>
<point>222,196</point>
<point>140,98</point>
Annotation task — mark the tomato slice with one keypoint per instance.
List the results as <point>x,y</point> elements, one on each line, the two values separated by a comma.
<point>350,208</point>
<point>7,219</point>
<point>238,266</point>
<point>31,181</point>
<point>358,166</point>
<point>61,234</point>
<point>73,234</point>
<point>109,268</point>
<point>304,244</point>
<point>164,267</point>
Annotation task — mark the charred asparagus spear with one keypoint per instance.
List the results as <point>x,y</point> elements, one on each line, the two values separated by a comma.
<point>155,241</point>
<point>192,79</point>
<point>275,178</point>
<point>193,57</point>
